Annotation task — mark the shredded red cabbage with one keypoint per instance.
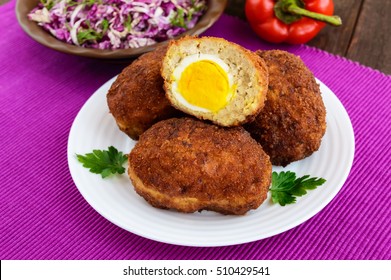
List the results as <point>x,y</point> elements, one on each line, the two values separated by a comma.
<point>117,24</point>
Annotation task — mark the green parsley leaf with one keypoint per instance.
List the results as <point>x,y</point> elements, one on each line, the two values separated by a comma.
<point>105,26</point>
<point>48,4</point>
<point>179,19</point>
<point>128,23</point>
<point>84,2</point>
<point>87,35</point>
<point>104,162</point>
<point>285,187</point>
<point>90,34</point>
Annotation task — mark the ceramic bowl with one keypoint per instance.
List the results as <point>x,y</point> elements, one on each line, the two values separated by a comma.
<point>23,7</point>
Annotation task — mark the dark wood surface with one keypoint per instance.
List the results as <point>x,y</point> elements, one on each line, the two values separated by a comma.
<point>365,35</point>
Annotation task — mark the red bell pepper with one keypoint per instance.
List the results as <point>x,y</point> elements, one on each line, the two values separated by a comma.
<point>290,21</point>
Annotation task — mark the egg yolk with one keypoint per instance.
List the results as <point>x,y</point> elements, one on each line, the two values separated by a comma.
<point>205,84</point>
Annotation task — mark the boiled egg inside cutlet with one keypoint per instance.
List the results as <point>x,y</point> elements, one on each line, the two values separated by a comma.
<point>213,79</point>
<point>202,82</point>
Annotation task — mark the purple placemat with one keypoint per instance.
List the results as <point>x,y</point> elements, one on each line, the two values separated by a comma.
<point>43,216</point>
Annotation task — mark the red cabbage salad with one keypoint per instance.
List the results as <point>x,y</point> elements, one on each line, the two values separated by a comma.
<point>117,24</point>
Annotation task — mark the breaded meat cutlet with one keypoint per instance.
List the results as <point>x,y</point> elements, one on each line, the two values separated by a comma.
<point>137,99</point>
<point>214,79</point>
<point>293,121</point>
<point>189,165</point>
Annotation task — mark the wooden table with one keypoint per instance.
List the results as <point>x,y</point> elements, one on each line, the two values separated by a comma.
<point>365,35</point>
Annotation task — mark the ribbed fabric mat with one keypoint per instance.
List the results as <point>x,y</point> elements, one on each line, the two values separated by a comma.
<point>43,216</point>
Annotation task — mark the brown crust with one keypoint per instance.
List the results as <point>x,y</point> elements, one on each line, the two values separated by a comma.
<point>137,99</point>
<point>188,165</point>
<point>293,121</point>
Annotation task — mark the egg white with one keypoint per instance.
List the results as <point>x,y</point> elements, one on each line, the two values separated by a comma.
<point>183,64</point>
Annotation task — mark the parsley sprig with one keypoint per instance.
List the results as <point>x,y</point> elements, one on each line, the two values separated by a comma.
<point>286,187</point>
<point>90,34</point>
<point>104,162</point>
<point>182,18</point>
<point>48,4</point>
<point>179,19</point>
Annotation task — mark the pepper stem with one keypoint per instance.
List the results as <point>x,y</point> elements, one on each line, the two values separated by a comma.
<point>333,20</point>
<point>291,10</point>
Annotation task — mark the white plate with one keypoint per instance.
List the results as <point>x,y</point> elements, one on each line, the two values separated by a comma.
<point>115,199</point>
